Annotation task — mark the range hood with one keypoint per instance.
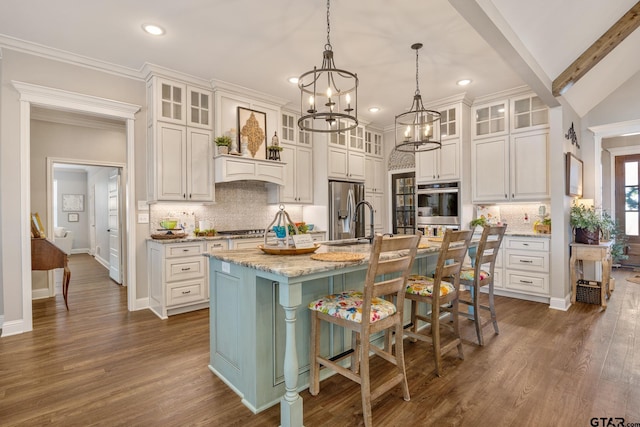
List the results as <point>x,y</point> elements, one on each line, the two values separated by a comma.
<point>229,168</point>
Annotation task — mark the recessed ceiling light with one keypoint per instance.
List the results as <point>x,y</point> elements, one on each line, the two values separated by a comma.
<point>293,80</point>
<point>152,29</point>
<point>374,109</point>
<point>463,82</point>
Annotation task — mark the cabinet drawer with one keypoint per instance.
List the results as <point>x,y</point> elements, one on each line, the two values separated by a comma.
<point>529,261</point>
<point>186,292</point>
<point>181,250</point>
<point>185,268</point>
<point>219,245</point>
<point>535,244</point>
<point>527,282</point>
<point>247,243</point>
<point>498,281</point>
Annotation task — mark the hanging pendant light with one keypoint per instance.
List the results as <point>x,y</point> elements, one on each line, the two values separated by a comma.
<point>418,129</point>
<point>328,95</point>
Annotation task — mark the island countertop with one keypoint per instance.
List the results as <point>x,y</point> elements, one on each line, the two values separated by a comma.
<point>302,265</point>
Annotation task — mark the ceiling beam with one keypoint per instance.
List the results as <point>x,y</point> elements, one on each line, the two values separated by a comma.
<point>598,50</point>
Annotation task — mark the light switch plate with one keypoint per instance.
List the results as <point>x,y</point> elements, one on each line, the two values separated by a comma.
<point>143,218</point>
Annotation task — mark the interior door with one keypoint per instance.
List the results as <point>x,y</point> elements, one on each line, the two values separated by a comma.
<point>627,172</point>
<point>115,261</point>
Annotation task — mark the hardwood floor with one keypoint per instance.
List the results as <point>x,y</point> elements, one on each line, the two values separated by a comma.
<point>99,364</point>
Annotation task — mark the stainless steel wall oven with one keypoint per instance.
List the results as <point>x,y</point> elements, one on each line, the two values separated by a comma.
<point>438,204</point>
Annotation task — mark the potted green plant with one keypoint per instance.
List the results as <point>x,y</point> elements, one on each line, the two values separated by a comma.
<point>611,231</point>
<point>223,143</point>
<point>587,224</point>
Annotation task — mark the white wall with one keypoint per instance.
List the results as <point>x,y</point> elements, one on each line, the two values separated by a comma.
<point>100,181</point>
<point>73,182</point>
<point>28,68</point>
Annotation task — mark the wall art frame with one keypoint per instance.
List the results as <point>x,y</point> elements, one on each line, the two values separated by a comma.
<point>252,125</point>
<point>73,217</point>
<point>574,176</point>
<point>73,203</point>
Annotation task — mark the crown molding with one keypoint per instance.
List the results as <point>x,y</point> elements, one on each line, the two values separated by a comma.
<point>67,57</point>
<point>508,93</point>
<point>254,94</point>
<point>76,119</point>
<point>152,70</point>
<point>453,99</point>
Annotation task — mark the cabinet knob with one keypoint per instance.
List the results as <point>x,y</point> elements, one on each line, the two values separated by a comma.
<point>513,196</point>
<point>184,196</point>
<point>505,196</point>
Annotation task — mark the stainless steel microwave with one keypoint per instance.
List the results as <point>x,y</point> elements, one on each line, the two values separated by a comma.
<point>438,203</point>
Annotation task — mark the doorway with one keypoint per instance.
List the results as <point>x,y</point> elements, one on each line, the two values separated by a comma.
<point>627,175</point>
<point>31,94</point>
<point>96,230</point>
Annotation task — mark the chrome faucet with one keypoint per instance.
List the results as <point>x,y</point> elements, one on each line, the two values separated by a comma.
<point>355,218</point>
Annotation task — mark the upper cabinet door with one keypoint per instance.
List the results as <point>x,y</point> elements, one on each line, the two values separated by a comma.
<point>490,119</point>
<point>289,125</point>
<point>528,113</point>
<point>171,98</point>
<point>449,123</point>
<point>199,113</point>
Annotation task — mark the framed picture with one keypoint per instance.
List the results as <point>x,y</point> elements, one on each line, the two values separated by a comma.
<point>253,130</point>
<point>37,230</point>
<point>72,202</point>
<point>574,176</point>
<point>73,217</point>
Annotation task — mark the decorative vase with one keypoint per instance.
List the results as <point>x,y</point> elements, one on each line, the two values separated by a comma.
<point>587,237</point>
<point>223,149</point>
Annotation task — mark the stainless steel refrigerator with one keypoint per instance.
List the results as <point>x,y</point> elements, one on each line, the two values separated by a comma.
<point>343,198</point>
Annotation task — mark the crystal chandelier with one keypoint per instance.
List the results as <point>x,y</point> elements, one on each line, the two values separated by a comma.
<point>328,95</point>
<point>418,129</point>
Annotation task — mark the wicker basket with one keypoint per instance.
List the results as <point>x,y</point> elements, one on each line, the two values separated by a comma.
<point>588,291</point>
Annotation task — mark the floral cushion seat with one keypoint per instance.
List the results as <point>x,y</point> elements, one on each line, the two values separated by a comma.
<point>468,273</point>
<point>424,287</point>
<point>348,305</point>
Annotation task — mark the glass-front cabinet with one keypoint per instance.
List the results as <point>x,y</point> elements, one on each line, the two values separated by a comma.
<point>403,201</point>
<point>490,120</point>
<point>529,113</point>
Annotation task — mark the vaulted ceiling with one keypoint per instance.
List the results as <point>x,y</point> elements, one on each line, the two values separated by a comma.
<point>498,44</point>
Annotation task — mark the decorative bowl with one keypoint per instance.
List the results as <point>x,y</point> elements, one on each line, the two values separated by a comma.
<point>168,223</point>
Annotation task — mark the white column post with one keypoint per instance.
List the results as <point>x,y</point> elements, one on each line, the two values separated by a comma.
<point>291,402</point>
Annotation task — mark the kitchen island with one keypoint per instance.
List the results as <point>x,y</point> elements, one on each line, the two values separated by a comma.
<point>261,350</point>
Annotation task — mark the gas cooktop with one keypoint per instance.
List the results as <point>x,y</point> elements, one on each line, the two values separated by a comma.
<point>255,231</point>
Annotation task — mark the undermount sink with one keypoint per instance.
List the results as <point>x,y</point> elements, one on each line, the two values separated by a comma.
<point>345,242</point>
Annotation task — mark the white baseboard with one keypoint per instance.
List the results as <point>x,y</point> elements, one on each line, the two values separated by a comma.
<point>102,261</point>
<point>13,327</point>
<point>40,293</point>
<point>80,251</point>
<point>561,304</point>
<point>141,304</point>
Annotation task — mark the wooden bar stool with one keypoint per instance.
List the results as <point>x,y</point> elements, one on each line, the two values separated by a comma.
<point>421,289</point>
<point>365,313</point>
<point>479,275</point>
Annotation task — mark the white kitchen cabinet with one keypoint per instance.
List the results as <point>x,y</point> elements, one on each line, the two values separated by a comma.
<point>346,164</point>
<point>511,168</point>
<point>373,143</point>
<point>298,186</point>
<point>178,277</point>
<point>528,113</point>
<point>374,175</point>
<point>438,165</point>
<point>179,103</point>
<point>526,265</point>
<point>298,155</point>
<point>377,201</point>
<point>490,120</point>
<point>181,163</point>
<point>179,146</point>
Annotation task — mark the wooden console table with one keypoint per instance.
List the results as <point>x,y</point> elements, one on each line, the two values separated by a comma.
<point>601,253</point>
<point>47,256</point>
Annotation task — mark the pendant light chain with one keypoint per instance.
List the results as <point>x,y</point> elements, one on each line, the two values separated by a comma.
<point>417,64</point>
<point>328,46</point>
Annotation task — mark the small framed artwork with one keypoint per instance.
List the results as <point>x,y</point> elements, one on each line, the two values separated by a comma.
<point>37,230</point>
<point>73,217</point>
<point>574,176</point>
<point>253,132</point>
<point>72,202</point>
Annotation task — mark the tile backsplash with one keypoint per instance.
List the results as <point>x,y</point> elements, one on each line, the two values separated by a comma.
<point>239,206</point>
<point>514,215</point>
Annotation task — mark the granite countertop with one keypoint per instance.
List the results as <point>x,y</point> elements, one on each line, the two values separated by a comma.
<point>301,265</point>
<point>218,237</point>
<point>527,234</point>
